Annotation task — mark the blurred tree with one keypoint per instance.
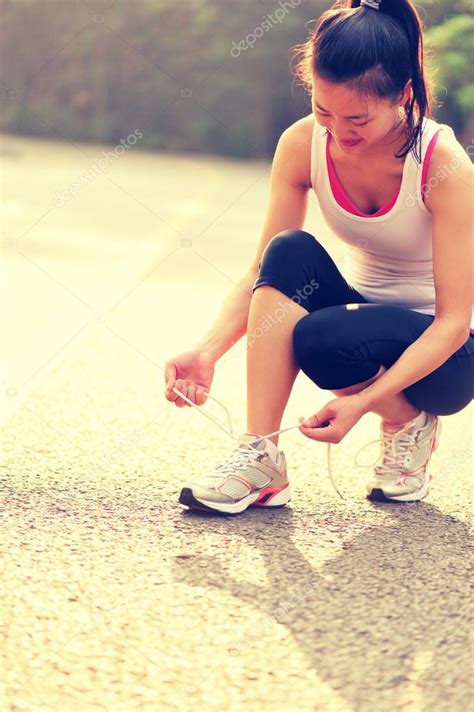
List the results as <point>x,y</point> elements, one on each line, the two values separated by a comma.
<point>452,45</point>
<point>194,75</point>
<point>435,12</point>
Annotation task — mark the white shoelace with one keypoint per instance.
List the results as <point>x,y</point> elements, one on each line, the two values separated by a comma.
<point>394,449</point>
<point>239,460</point>
<point>236,437</point>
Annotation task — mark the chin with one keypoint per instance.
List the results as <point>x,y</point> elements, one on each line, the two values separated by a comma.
<point>355,147</point>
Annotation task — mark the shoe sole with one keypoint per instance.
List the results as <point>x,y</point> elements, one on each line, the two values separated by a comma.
<point>378,495</point>
<point>264,498</point>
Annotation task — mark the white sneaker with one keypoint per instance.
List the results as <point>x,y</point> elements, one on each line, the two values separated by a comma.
<point>404,473</point>
<point>254,475</point>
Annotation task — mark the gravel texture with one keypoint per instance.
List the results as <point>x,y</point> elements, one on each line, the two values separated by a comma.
<point>117,598</point>
<point>114,597</point>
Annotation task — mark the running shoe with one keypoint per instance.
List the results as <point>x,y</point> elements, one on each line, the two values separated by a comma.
<point>404,473</point>
<point>254,475</point>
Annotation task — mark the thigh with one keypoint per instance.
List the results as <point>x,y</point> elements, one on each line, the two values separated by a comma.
<point>360,338</point>
<point>295,263</point>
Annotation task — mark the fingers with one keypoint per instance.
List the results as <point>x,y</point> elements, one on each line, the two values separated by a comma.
<point>195,393</point>
<point>191,394</point>
<point>317,429</point>
<point>170,378</point>
<point>170,394</point>
<point>170,375</point>
<point>314,421</point>
<point>322,435</point>
<point>310,422</point>
<point>181,386</point>
<point>200,397</point>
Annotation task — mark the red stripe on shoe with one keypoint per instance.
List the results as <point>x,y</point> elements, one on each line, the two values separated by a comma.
<point>270,490</point>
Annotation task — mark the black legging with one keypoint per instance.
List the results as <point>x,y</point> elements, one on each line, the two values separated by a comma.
<point>344,339</point>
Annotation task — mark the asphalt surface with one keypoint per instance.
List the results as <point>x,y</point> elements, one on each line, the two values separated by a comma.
<point>117,598</point>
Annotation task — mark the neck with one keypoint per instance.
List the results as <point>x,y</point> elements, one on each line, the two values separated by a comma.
<point>391,143</point>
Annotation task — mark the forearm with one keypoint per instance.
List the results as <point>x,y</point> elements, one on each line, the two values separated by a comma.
<point>437,343</point>
<point>231,323</point>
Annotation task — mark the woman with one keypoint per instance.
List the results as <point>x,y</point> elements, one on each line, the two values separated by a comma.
<point>394,335</point>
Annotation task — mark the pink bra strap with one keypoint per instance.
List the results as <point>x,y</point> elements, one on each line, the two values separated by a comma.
<point>426,164</point>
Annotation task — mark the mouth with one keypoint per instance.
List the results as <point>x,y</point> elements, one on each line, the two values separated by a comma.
<point>353,142</point>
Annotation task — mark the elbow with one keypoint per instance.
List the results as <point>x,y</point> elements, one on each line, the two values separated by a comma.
<point>465,334</point>
<point>457,331</point>
<point>463,337</point>
<point>464,331</point>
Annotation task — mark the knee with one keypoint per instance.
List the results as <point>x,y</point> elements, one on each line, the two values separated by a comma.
<point>437,402</point>
<point>322,351</point>
<point>317,336</point>
<point>288,245</point>
<point>302,340</point>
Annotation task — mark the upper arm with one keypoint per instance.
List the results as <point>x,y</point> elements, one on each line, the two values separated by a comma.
<point>450,201</point>
<point>289,185</point>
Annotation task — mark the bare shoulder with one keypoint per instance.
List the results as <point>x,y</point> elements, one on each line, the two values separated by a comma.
<point>448,148</point>
<point>293,153</point>
<point>450,171</point>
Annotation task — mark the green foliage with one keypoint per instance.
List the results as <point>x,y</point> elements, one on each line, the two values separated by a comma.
<point>452,47</point>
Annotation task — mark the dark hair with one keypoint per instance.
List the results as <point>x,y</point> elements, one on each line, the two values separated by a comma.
<point>377,52</point>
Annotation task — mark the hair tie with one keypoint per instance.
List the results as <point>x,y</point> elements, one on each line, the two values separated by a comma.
<point>374,4</point>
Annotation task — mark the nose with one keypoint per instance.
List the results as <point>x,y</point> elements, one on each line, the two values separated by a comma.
<point>344,133</point>
<point>341,127</point>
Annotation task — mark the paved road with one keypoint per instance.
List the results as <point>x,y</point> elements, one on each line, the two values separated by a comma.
<point>116,598</point>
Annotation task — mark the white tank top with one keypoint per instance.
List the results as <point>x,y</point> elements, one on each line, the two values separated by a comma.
<point>387,258</point>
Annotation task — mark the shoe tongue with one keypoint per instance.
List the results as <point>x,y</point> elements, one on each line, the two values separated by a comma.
<point>257,442</point>
<point>393,428</point>
<point>260,443</point>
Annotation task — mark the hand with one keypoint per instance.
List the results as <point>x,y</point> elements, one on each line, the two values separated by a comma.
<point>334,420</point>
<point>192,373</point>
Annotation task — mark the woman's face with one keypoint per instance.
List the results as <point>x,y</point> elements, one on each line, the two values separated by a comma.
<point>357,123</point>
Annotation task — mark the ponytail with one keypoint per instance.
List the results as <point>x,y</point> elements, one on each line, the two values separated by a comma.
<point>378,52</point>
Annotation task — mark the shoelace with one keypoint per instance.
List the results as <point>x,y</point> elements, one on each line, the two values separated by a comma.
<point>238,460</point>
<point>236,437</point>
<point>390,442</point>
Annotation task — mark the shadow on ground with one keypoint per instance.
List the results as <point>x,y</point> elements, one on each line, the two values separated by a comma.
<point>364,621</point>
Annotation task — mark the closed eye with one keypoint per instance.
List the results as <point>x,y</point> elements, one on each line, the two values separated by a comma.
<point>364,123</point>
